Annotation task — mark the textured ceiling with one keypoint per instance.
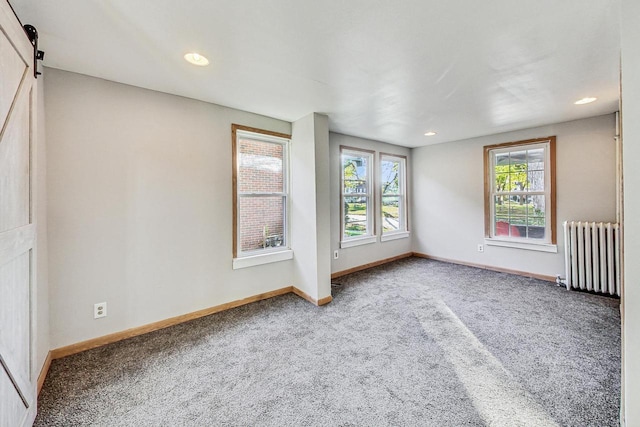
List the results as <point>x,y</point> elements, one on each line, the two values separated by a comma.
<point>385,70</point>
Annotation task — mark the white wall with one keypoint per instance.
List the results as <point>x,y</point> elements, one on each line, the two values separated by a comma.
<point>309,205</point>
<point>631,161</point>
<point>42,276</point>
<point>360,255</point>
<point>448,193</point>
<point>140,206</point>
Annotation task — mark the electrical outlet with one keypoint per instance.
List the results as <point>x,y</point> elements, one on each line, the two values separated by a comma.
<point>480,248</point>
<point>336,254</point>
<point>99,310</point>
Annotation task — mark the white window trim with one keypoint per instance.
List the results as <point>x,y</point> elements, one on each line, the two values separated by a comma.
<point>262,258</point>
<point>545,245</point>
<point>251,258</point>
<point>395,235</point>
<point>403,229</point>
<point>370,237</point>
<point>528,245</point>
<point>358,241</point>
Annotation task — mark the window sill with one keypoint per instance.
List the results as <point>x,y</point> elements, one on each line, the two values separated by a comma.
<point>540,247</point>
<point>394,236</point>
<point>253,260</point>
<point>358,241</point>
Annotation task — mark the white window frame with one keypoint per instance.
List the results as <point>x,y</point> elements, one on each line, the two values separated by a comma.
<point>403,226</point>
<point>242,259</point>
<point>548,244</point>
<point>370,235</point>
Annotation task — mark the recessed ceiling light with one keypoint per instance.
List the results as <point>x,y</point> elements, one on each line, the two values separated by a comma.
<point>585,101</point>
<point>430,133</point>
<point>196,59</point>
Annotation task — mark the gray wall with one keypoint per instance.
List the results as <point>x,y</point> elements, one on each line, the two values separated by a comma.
<point>448,193</point>
<point>631,155</point>
<point>360,255</point>
<point>140,206</point>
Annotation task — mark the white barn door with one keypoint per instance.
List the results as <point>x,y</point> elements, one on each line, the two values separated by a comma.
<point>17,228</point>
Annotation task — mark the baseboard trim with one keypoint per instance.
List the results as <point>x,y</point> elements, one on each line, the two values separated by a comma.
<point>151,327</point>
<point>44,371</point>
<point>140,330</point>
<point>304,295</point>
<point>324,301</point>
<point>370,265</point>
<point>488,267</point>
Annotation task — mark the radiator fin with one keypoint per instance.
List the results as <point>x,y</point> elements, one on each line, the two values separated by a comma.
<point>592,256</point>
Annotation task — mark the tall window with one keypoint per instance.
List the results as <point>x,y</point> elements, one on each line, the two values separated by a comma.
<point>393,195</point>
<point>260,191</point>
<point>357,197</point>
<point>520,191</point>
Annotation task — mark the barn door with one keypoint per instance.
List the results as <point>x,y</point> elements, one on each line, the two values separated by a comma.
<point>17,230</point>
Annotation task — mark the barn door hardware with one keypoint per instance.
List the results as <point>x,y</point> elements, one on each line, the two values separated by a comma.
<point>32,33</point>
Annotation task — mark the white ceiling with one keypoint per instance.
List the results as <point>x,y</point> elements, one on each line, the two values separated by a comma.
<point>385,70</point>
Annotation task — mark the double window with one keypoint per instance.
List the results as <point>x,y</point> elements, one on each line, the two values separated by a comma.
<point>520,191</point>
<point>360,218</point>
<point>261,192</point>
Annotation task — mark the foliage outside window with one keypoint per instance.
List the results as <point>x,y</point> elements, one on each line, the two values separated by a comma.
<point>261,192</point>
<point>357,197</point>
<point>393,193</point>
<point>520,191</point>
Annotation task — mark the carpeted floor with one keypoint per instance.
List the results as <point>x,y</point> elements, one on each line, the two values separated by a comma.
<point>415,342</point>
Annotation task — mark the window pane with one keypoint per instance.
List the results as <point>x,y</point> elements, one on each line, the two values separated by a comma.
<point>518,159</point>
<point>511,227</point>
<point>536,180</point>
<point>390,177</point>
<point>502,181</point>
<point>355,186</point>
<point>502,206</point>
<point>518,206</point>
<point>536,228</point>
<point>518,171</point>
<point>260,167</point>
<point>261,222</point>
<point>517,180</point>
<point>518,220</point>
<point>502,226</point>
<point>390,213</point>
<point>502,159</point>
<point>537,207</point>
<point>355,216</point>
<point>354,173</point>
<point>535,158</point>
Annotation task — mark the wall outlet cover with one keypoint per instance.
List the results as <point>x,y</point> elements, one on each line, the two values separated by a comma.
<point>99,310</point>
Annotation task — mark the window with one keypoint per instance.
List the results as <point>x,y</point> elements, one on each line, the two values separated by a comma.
<point>261,205</point>
<point>393,196</point>
<point>357,197</point>
<point>520,192</point>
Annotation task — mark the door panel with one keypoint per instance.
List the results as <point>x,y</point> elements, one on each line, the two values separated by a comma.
<point>14,314</point>
<point>12,409</point>
<point>14,168</point>
<point>12,69</point>
<point>17,230</point>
